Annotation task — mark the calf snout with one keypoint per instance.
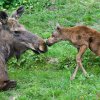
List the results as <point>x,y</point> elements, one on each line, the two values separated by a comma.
<point>48,43</point>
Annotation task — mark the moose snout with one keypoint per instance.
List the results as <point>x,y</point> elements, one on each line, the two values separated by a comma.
<point>43,47</point>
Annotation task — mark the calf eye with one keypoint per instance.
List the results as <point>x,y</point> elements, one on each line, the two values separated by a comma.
<point>53,35</point>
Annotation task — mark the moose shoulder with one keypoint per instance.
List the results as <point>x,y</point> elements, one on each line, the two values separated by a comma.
<point>14,40</point>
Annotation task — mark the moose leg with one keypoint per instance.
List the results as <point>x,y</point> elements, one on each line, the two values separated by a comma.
<point>81,51</point>
<point>5,83</point>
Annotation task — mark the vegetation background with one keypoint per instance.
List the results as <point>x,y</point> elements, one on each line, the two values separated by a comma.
<point>47,76</point>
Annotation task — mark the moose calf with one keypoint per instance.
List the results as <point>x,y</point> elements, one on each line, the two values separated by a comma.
<point>14,40</point>
<point>82,37</point>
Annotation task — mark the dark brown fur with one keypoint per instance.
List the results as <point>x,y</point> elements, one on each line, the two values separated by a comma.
<point>14,40</point>
<point>82,37</point>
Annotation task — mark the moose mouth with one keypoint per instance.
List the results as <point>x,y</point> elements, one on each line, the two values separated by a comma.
<point>36,50</point>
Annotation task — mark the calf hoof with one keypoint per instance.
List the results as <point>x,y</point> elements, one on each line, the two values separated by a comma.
<point>9,85</point>
<point>72,78</point>
<point>87,76</point>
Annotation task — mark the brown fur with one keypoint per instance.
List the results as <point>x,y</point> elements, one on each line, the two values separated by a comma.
<point>15,40</point>
<point>82,37</point>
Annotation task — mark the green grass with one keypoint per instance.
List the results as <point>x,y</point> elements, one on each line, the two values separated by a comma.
<point>47,76</point>
<point>52,85</point>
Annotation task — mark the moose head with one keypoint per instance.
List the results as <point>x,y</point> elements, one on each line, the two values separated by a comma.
<point>20,37</point>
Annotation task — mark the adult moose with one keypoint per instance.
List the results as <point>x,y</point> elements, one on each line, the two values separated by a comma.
<point>14,40</point>
<point>82,37</point>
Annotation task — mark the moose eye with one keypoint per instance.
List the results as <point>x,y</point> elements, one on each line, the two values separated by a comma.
<point>16,33</point>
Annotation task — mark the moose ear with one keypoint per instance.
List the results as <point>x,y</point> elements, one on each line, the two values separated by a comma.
<point>3,17</point>
<point>17,14</point>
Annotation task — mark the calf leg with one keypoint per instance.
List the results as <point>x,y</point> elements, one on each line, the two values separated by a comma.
<point>74,74</point>
<point>5,83</point>
<point>81,51</point>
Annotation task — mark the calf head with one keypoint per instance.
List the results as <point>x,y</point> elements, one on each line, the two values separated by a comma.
<point>56,36</point>
<point>21,39</point>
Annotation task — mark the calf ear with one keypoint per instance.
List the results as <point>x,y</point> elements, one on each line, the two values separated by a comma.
<point>17,14</point>
<point>3,17</point>
<point>58,27</point>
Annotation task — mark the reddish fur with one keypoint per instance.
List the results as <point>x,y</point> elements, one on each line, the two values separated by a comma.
<point>82,37</point>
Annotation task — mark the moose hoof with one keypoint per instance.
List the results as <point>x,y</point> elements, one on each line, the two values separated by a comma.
<point>9,85</point>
